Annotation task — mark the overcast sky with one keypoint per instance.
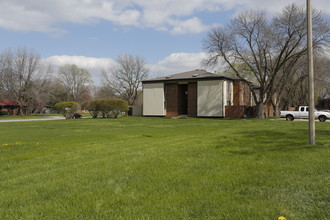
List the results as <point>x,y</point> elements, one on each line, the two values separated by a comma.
<point>93,33</point>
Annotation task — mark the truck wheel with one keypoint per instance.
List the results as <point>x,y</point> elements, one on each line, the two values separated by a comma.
<point>289,118</point>
<point>322,118</point>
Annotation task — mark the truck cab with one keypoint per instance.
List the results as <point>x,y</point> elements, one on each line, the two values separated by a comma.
<point>303,112</point>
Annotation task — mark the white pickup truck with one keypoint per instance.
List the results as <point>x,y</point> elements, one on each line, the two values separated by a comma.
<point>303,113</point>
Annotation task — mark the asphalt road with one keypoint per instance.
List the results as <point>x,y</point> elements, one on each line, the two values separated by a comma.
<point>50,118</point>
<point>316,120</point>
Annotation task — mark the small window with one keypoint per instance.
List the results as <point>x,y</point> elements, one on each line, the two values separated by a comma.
<point>307,109</point>
<point>302,109</point>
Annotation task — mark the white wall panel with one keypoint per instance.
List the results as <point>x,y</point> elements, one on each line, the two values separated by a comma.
<point>210,99</point>
<point>153,99</point>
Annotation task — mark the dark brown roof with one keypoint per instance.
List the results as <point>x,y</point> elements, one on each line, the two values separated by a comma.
<point>8,102</point>
<point>190,75</point>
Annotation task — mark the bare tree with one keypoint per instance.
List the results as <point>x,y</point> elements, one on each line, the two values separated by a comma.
<point>57,93</point>
<point>7,74</point>
<point>76,81</point>
<point>21,75</point>
<point>41,91</point>
<point>126,77</point>
<point>104,92</point>
<point>322,76</point>
<point>293,90</point>
<point>266,47</point>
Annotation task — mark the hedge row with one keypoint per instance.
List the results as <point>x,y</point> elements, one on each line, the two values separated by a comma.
<point>67,108</point>
<point>4,113</point>
<point>107,107</point>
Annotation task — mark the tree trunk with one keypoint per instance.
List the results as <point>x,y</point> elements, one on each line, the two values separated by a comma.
<point>276,107</point>
<point>260,110</point>
<point>21,109</point>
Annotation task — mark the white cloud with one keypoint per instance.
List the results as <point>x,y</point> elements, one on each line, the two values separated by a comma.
<point>19,18</point>
<point>193,25</point>
<point>178,62</point>
<point>94,65</point>
<point>174,63</point>
<point>178,17</point>
<point>81,61</point>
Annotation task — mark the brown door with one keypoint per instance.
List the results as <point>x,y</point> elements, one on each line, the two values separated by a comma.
<point>171,99</point>
<point>183,99</point>
<point>192,99</point>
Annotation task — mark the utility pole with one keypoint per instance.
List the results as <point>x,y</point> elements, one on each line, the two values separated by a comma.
<point>311,121</point>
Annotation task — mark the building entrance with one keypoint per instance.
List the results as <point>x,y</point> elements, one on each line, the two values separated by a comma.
<point>183,99</point>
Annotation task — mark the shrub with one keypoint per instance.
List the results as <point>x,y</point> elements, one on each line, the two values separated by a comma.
<point>108,107</point>
<point>91,107</point>
<point>67,108</point>
<point>119,106</point>
<point>4,113</point>
<point>112,107</point>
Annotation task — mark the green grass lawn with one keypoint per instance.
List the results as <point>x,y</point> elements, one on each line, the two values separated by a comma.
<point>159,168</point>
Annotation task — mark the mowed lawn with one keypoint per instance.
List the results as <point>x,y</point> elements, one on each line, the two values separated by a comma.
<point>159,168</point>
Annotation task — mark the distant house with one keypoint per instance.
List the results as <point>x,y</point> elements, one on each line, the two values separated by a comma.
<point>196,93</point>
<point>11,107</point>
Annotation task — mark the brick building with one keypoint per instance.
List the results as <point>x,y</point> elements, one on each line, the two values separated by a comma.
<point>11,107</point>
<point>196,93</point>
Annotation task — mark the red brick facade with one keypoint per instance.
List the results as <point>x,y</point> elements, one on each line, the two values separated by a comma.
<point>174,98</point>
<point>240,111</point>
<point>247,111</point>
<point>192,99</point>
<point>12,107</point>
<point>171,99</point>
<point>242,94</point>
<point>242,103</point>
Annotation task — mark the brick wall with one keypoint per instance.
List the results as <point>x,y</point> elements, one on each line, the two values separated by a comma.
<point>246,111</point>
<point>269,110</point>
<point>247,95</point>
<point>242,94</point>
<point>237,99</point>
<point>171,98</point>
<point>192,99</point>
<point>13,111</point>
<point>240,111</point>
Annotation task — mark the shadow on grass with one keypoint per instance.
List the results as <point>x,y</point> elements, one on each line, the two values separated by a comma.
<point>263,141</point>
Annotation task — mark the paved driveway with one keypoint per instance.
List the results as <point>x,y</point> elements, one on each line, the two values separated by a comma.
<point>296,119</point>
<point>47,118</point>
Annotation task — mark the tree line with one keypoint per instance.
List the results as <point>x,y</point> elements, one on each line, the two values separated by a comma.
<point>270,53</point>
<point>109,108</point>
<point>26,80</point>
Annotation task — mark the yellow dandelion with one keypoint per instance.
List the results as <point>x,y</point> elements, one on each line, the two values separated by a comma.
<point>5,145</point>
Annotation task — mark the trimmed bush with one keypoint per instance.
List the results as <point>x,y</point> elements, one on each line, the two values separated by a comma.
<point>4,113</point>
<point>67,108</point>
<point>109,108</point>
<point>92,107</point>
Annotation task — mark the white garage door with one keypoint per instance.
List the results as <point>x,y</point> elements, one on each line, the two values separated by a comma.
<point>210,98</point>
<point>153,99</point>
